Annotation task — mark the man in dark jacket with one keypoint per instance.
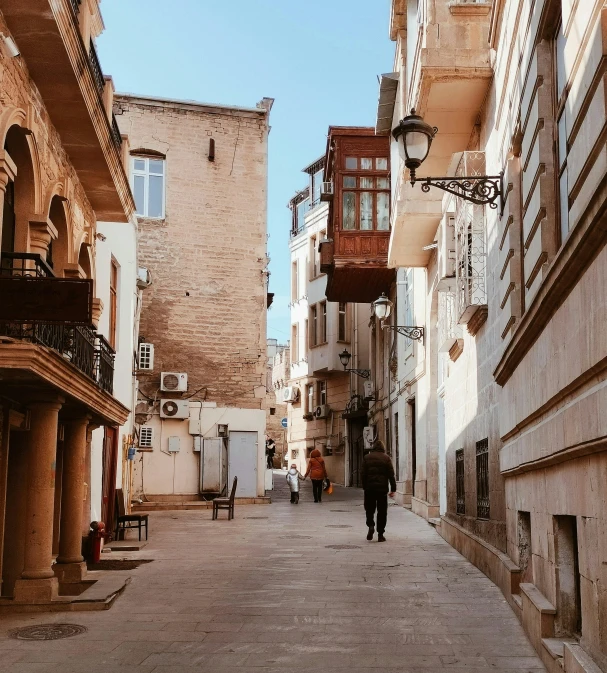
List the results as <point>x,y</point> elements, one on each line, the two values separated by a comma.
<point>378,480</point>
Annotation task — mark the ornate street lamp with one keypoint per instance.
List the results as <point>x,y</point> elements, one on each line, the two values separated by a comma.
<point>344,358</point>
<point>414,137</point>
<point>382,308</point>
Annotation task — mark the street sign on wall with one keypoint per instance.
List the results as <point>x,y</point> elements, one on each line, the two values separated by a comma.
<point>284,422</point>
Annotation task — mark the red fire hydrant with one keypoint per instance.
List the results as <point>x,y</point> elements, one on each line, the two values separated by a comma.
<point>96,536</point>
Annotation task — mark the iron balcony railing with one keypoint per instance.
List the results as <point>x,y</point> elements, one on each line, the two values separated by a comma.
<point>96,68</point>
<point>75,6</point>
<point>25,264</point>
<point>116,132</point>
<point>88,351</point>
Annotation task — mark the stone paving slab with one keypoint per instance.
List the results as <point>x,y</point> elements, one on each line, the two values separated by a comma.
<point>270,596</point>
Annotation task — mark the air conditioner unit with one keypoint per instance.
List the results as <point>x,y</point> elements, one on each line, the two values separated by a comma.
<point>322,411</point>
<point>368,436</point>
<point>326,191</point>
<point>144,277</point>
<point>145,357</point>
<point>290,394</point>
<point>446,250</point>
<point>369,390</point>
<point>146,437</point>
<point>173,382</point>
<point>178,409</point>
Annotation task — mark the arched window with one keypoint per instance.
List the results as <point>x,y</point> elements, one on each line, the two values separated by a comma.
<point>148,172</point>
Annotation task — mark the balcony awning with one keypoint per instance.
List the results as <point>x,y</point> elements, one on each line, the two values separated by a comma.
<point>388,86</point>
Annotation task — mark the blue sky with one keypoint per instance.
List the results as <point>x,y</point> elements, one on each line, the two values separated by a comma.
<point>319,59</point>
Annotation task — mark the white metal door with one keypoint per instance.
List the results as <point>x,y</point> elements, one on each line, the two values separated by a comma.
<point>242,463</point>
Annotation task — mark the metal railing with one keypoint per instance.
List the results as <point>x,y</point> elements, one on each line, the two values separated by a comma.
<point>459,482</point>
<point>75,6</point>
<point>88,351</point>
<point>96,68</point>
<point>116,132</point>
<point>25,264</point>
<point>104,364</point>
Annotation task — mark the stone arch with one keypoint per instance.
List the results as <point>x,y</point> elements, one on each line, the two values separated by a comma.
<point>21,147</point>
<point>62,247</point>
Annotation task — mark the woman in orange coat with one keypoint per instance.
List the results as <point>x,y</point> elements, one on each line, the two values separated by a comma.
<point>318,472</point>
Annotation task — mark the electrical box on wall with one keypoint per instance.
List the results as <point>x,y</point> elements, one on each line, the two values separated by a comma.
<point>222,430</point>
<point>198,443</point>
<point>174,444</point>
<point>368,436</point>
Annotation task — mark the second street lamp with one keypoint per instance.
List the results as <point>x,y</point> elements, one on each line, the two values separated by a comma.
<point>414,137</point>
<point>344,358</point>
<point>382,308</point>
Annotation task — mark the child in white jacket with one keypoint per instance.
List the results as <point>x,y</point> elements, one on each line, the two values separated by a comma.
<point>293,477</point>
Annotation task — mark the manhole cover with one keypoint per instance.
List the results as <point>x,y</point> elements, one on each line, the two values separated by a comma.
<point>48,632</point>
<point>257,517</point>
<point>342,546</point>
<point>338,526</point>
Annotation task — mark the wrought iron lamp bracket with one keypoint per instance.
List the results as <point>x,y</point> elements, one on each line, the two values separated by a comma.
<point>363,373</point>
<point>481,190</point>
<point>413,333</point>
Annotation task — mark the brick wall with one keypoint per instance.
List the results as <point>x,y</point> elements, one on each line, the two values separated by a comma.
<point>205,312</point>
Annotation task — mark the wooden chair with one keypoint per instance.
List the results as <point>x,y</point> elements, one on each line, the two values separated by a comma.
<point>225,503</point>
<point>125,521</point>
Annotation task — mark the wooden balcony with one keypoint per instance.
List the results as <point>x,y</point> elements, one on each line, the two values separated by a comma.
<point>355,256</point>
<point>68,75</point>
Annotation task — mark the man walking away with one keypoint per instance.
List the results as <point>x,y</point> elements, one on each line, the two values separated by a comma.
<point>378,479</point>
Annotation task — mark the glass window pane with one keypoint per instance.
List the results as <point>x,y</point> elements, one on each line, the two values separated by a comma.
<point>139,194</point>
<point>562,139</point>
<point>157,166</point>
<point>366,210</point>
<point>383,183</point>
<point>381,164</point>
<point>351,163</point>
<point>367,183</point>
<point>564,206</point>
<point>155,189</point>
<point>366,164</point>
<point>349,210</point>
<point>139,164</point>
<point>561,75</point>
<point>383,211</point>
<point>349,181</point>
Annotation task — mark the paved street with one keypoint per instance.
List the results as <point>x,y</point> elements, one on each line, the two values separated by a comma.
<point>271,592</point>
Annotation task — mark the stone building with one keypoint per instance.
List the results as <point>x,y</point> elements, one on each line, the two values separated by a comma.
<point>199,177</point>
<point>500,398</point>
<point>276,409</point>
<point>319,391</point>
<point>61,173</point>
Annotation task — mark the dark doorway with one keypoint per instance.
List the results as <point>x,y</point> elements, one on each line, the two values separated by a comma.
<point>8,219</point>
<point>413,445</point>
<point>110,459</point>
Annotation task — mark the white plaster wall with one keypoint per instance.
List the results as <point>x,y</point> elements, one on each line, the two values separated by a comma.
<point>158,472</point>
<point>121,243</point>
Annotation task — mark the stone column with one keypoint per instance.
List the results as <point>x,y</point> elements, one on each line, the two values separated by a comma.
<point>70,566</point>
<point>42,232</point>
<point>38,583</point>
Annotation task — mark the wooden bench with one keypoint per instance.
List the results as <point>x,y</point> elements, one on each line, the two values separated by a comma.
<point>225,503</point>
<point>125,521</point>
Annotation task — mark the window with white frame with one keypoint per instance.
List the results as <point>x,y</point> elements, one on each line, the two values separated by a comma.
<point>322,392</point>
<point>342,317</point>
<point>409,312</point>
<point>148,182</point>
<point>310,398</point>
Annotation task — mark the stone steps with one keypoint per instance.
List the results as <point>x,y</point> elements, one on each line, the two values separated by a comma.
<point>178,505</point>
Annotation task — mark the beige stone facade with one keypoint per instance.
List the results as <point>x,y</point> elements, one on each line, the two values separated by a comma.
<point>61,172</point>
<point>500,404</point>
<point>199,175</point>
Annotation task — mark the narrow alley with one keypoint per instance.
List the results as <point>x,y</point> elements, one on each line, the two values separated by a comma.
<point>288,588</point>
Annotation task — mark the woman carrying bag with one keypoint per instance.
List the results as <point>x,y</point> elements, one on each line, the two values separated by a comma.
<point>318,473</point>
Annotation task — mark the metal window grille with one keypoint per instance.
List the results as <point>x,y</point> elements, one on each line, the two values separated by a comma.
<point>146,436</point>
<point>448,329</point>
<point>75,6</point>
<point>459,482</point>
<point>146,356</point>
<point>482,479</point>
<point>116,135</point>
<point>96,67</point>
<point>471,253</point>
